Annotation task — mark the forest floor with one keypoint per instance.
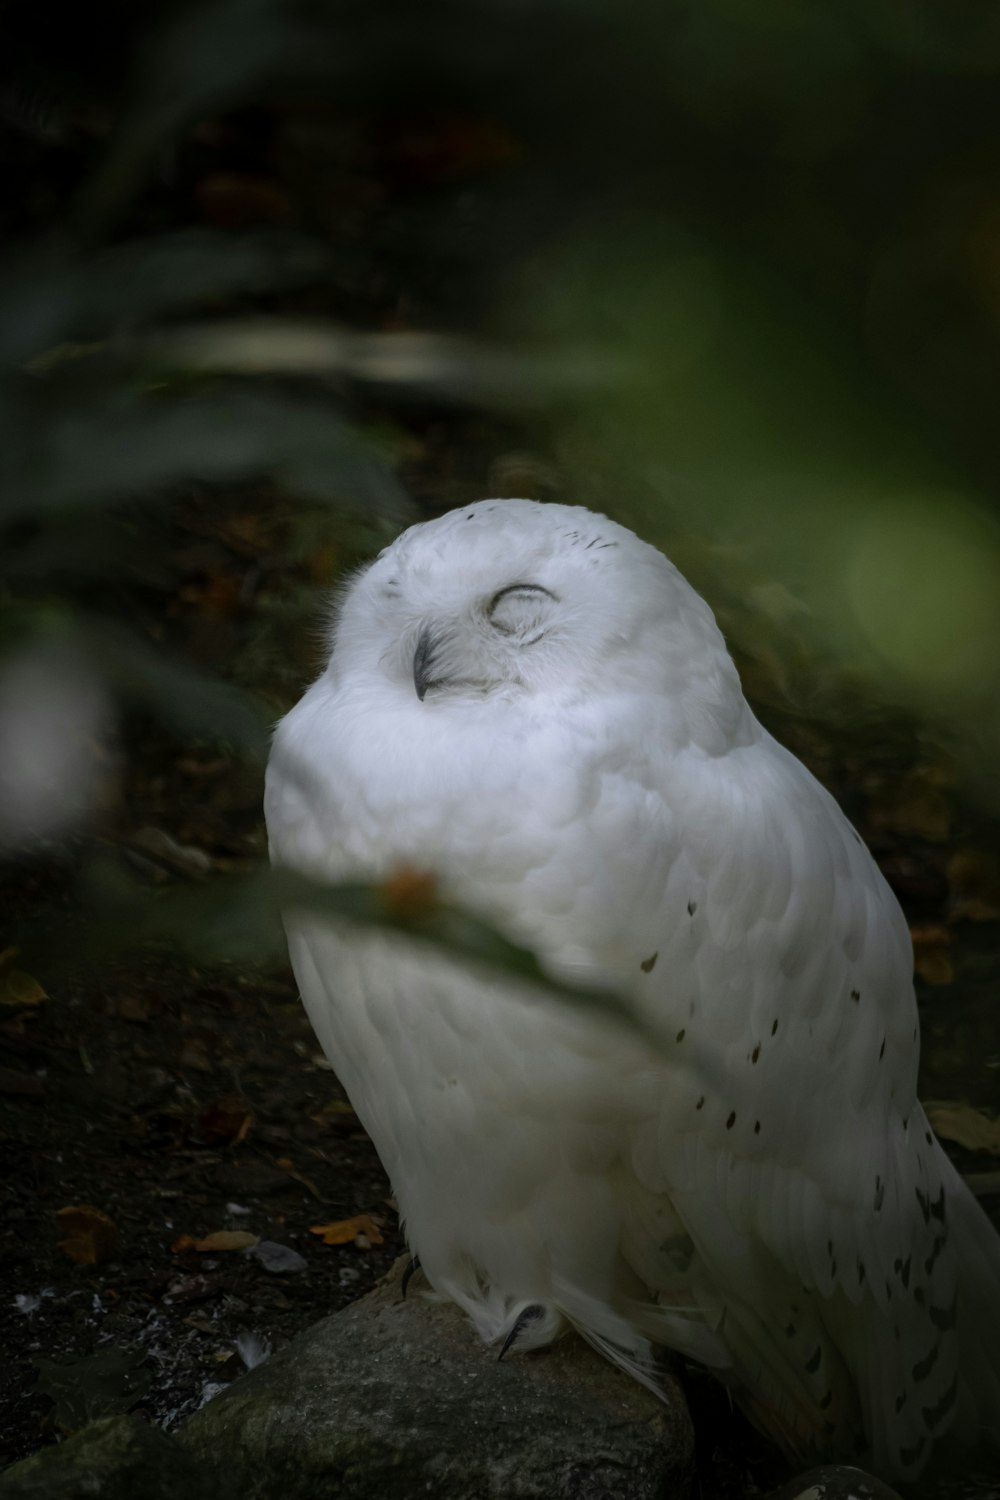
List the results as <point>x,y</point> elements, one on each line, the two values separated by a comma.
<point>172,1101</point>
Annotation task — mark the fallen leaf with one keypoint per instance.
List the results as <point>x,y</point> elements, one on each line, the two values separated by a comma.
<point>89,1236</point>
<point>974,884</point>
<point>934,966</point>
<point>966,1126</point>
<point>227,1239</point>
<point>203,1324</point>
<point>226,1121</point>
<point>16,986</point>
<point>195,1288</point>
<point>361,1230</point>
<point>181,1243</point>
<point>217,594</point>
<point>336,1115</point>
<point>930,954</point>
<point>933,935</point>
<point>287,1165</point>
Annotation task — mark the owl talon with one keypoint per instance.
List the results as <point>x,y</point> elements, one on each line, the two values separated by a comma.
<point>529,1315</point>
<point>412,1265</point>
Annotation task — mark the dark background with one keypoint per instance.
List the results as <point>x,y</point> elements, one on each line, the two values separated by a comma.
<point>278,278</point>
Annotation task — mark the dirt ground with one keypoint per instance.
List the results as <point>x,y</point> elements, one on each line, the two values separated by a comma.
<point>176,1100</point>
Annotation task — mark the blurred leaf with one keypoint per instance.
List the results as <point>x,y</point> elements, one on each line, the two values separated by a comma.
<point>226,1121</point>
<point>180,859</point>
<point>50,298</point>
<point>54,714</point>
<point>457,368</point>
<point>239,918</point>
<point>190,701</point>
<point>201,59</point>
<point>126,446</point>
<point>76,551</point>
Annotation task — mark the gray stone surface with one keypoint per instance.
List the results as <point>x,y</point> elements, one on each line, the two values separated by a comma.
<point>117,1458</point>
<point>834,1482</point>
<point>401,1399</point>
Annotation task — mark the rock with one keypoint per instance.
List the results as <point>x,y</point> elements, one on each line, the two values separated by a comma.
<point>279,1259</point>
<point>395,1399</point>
<point>834,1482</point>
<point>117,1458</point>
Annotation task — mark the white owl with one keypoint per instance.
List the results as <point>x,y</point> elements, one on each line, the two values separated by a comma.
<point>531,702</point>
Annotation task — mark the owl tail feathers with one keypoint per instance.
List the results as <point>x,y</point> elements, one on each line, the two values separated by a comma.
<point>801,1444</point>
<point>803,1415</point>
<point>792,1384</point>
<point>977,1247</point>
<point>618,1335</point>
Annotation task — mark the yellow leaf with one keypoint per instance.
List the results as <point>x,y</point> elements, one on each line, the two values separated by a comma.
<point>966,1127</point>
<point>227,1239</point>
<point>930,954</point>
<point>933,965</point>
<point>349,1231</point>
<point>16,986</point>
<point>89,1236</point>
<point>974,879</point>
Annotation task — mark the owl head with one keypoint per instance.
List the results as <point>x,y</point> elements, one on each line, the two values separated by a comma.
<point>508,599</point>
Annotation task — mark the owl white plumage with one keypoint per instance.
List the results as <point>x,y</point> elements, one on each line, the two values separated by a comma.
<point>531,702</point>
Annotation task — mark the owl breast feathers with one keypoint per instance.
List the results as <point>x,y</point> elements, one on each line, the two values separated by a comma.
<point>535,705</point>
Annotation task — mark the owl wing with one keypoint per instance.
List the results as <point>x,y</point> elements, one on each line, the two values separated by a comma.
<point>824,1233</point>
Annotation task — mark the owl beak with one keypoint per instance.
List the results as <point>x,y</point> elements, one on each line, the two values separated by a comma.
<point>423,662</point>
